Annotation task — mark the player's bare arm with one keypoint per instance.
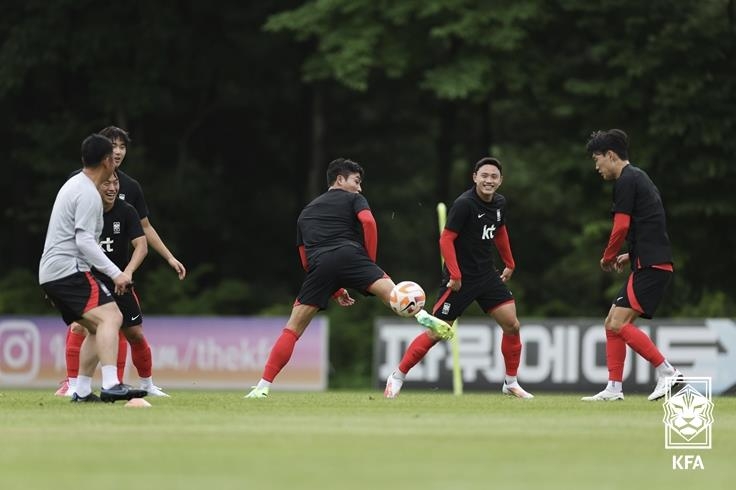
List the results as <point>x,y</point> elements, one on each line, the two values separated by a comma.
<point>154,240</point>
<point>140,250</point>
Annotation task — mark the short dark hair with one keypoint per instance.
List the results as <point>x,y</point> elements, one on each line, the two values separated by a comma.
<point>344,167</point>
<point>116,133</point>
<point>95,148</point>
<point>488,161</point>
<point>614,140</point>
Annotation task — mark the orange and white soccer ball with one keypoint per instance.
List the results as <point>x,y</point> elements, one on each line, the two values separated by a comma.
<point>407,298</point>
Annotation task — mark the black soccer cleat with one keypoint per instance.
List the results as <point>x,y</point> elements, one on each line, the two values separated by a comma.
<point>121,392</point>
<point>91,398</point>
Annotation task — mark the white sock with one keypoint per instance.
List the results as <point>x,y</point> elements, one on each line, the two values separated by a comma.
<point>84,386</point>
<point>72,383</point>
<point>109,376</point>
<point>147,382</point>
<point>614,386</point>
<point>263,384</point>
<point>510,380</point>
<point>665,369</point>
<point>399,375</point>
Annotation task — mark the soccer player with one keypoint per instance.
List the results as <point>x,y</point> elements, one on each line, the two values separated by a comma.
<point>70,250</point>
<point>639,219</point>
<point>132,192</point>
<point>121,228</point>
<point>476,218</point>
<point>337,241</point>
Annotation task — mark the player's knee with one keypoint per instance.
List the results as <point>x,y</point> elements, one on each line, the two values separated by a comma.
<point>613,326</point>
<point>511,328</point>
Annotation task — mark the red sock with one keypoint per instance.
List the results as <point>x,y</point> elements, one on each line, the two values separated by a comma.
<point>280,354</point>
<point>122,355</point>
<point>416,351</point>
<point>73,344</point>
<point>615,355</point>
<point>140,352</point>
<point>641,343</point>
<point>511,350</point>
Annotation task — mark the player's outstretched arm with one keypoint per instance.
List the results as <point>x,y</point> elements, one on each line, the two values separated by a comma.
<point>154,240</point>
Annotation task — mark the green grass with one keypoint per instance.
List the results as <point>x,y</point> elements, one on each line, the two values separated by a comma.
<point>351,440</point>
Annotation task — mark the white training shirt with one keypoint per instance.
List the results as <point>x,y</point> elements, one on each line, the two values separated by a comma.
<point>75,223</point>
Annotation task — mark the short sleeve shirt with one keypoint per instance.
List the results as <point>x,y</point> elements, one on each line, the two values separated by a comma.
<point>132,193</point>
<point>476,222</point>
<point>330,221</point>
<point>121,226</point>
<point>635,194</point>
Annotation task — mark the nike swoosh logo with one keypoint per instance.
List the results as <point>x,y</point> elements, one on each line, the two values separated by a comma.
<point>135,318</point>
<point>481,215</point>
<point>619,298</point>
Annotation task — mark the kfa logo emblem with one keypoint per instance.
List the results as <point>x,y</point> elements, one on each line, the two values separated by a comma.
<point>688,415</point>
<point>688,421</point>
<point>116,227</point>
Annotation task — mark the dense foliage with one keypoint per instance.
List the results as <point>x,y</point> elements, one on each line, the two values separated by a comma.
<point>235,110</point>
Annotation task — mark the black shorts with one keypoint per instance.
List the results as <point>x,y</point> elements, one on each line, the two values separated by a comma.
<point>344,267</point>
<point>489,293</point>
<point>128,302</point>
<point>76,294</point>
<point>644,290</point>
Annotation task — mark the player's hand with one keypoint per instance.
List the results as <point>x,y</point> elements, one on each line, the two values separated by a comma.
<point>608,265</point>
<point>344,299</point>
<point>455,284</point>
<point>506,274</point>
<point>122,283</point>
<point>621,262</point>
<point>181,271</point>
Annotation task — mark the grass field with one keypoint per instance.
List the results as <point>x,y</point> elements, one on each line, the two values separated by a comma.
<point>351,440</point>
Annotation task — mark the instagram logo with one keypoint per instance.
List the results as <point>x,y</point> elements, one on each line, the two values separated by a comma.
<point>20,351</point>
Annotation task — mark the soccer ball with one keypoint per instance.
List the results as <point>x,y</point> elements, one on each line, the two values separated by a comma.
<point>407,298</point>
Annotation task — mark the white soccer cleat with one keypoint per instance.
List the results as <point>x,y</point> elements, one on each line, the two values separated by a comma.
<point>393,386</point>
<point>258,393</point>
<point>65,389</point>
<point>155,391</point>
<point>515,389</point>
<point>604,396</point>
<point>665,384</point>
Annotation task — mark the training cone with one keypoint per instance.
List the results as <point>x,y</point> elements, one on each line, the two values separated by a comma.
<point>138,403</point>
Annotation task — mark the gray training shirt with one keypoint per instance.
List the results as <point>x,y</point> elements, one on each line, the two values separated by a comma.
<point>75,225</point>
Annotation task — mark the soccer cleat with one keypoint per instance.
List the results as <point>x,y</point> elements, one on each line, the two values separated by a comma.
<point>258,392</point>
<point>393,386</point>
<point>121,392</point>
<point>604,396</point>
<point>155,391</point>
<point>91,398</point>
<point>64,389</point>
<point>665,384</point>
<point>439,327</point>
<point>516,390</point>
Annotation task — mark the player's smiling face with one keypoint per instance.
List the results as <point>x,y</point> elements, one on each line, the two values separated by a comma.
<point>351,183</point>
<point>109,190</point>
<point>487,180</point>
<point>119,150</point>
